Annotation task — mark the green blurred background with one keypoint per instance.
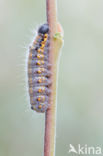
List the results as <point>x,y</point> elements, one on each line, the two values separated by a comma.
<point>80,88</point>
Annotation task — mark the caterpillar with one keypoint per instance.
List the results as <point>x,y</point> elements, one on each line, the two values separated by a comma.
<point>39,73</point>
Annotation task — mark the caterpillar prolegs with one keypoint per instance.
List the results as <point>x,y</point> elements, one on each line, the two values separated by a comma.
<point>39,72</point>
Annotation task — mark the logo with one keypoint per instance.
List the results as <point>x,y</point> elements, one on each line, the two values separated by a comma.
<point>85,150</point>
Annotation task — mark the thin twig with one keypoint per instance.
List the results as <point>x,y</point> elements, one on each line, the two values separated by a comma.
<point>50,117</point>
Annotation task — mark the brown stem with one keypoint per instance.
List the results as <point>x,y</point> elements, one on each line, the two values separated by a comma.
<point>50,117</point>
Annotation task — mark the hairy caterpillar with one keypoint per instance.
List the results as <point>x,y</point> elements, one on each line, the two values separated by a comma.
<point>39,70</point>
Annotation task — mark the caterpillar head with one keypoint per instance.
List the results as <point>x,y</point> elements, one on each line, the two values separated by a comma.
<point>43,29</point>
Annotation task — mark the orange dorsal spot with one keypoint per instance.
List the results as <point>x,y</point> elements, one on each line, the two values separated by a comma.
<point>40,90</point>
<point>40,106</point>
<point>45,39</point>
<point>40,50</point>
<point>39,71</point>
<point>40,80</point>
<point>38,63</point>
<point>40,56</point>
<point>46,35</point>
<point>39,99</point>
<point>42,46</point>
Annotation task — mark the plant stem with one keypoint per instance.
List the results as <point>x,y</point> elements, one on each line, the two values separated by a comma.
<point>50,116</point>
